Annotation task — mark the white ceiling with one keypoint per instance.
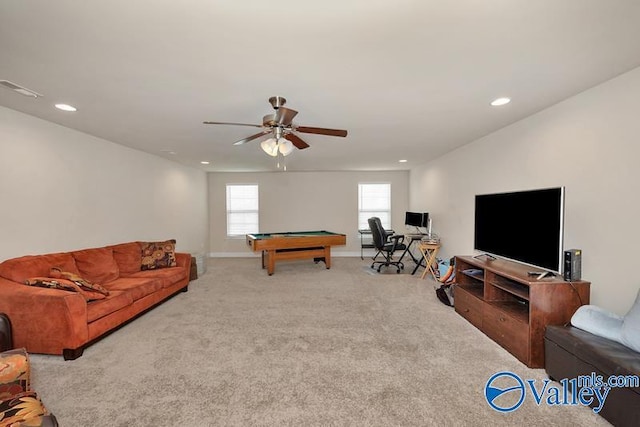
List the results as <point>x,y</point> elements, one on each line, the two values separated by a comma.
<point>409,79</point>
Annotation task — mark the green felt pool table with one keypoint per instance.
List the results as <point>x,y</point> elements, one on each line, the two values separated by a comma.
<point>295,245</point>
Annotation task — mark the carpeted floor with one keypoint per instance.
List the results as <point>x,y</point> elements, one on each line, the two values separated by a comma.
<point>306,346</point>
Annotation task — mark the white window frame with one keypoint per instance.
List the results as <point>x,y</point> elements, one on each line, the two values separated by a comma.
<point>248,205</point>
<point>380,208</point>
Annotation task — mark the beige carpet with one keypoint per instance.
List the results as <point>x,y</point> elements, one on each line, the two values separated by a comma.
<point>306,346</point>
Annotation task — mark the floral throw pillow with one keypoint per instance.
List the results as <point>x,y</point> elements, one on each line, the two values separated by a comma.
<point>14,373</point>
<point>83,283</point>
<point>89,293</point>
<point>24,409</point>
<point>158,255</point>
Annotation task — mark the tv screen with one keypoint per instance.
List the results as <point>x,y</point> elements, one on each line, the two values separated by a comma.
<point>525,226</point>
<point>416,219</point>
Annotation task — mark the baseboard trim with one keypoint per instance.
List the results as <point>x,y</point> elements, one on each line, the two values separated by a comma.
<point>232,255</point>
<point>255,255</point>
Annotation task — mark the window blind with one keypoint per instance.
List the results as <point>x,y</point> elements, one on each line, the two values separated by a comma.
<point>242,209</point>
<point>374,200</point>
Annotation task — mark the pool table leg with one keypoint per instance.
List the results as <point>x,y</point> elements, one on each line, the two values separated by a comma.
<point>271,261</point>
<point>327,256</point>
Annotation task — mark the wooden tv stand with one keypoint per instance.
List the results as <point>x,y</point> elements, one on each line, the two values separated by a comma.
<point>511,307</point>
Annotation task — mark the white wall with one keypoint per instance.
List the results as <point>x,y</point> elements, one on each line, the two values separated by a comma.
<point>590,144</point>
<point>298,201</point>
<point>62,190</point>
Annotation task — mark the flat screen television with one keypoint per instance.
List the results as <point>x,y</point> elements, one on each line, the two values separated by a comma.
<point>416,219</point>
<point>524,226</point>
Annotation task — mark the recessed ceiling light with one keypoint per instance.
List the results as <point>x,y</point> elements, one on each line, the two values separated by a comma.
<point>204,162</point>
<point>500,101</point>
<point>66,107</point>
<point>402,161</point>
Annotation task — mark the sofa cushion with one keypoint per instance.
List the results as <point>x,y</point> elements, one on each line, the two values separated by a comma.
<point>168,276</point>
<point>630,332</point>
<point>158,254</point>
<point>14,372</point>
<point>114,302</point>
<point>135,287</point>
<point>128,256</point>
<point>21,269</point>
<point>96,265</point>
<point>22,408</point>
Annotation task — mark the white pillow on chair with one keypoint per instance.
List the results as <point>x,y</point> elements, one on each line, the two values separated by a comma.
<point>630,332</point>
<point>599,322</point>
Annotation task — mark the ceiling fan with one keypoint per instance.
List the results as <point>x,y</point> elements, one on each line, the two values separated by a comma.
<point>282,129</point>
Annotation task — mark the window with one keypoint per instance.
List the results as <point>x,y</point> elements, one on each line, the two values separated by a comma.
<point>242,209</point>
<point>374,200</point>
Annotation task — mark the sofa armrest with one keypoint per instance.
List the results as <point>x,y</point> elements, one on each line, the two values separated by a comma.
<point>44,320</point>
<point>183,260</point>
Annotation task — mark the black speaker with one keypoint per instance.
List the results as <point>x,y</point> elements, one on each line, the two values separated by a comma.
<point>572,265</point>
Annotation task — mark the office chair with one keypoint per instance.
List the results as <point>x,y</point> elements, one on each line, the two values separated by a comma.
<point>386,245</point>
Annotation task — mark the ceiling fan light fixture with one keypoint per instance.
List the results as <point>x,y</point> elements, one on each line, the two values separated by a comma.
<point>285,147</point>
<point>270,146</point>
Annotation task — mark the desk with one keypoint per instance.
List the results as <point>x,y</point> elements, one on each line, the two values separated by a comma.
<point>429,252</point>
<point>295,245</point>
<point>368,244</point>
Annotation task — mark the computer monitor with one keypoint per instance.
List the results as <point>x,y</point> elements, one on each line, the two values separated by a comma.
<point>419,220</point>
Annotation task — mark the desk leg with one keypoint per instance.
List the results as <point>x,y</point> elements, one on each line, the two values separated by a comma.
<point>405,252</point>
<point>271,261</point>
<point>418,261</point>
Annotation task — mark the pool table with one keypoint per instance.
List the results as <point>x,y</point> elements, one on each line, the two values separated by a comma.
<point>295,245</point>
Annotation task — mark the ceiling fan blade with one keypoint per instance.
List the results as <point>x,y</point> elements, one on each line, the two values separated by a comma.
<point>321,131</point>
<point>230,123</point>
<point>284,116</point>
<point>296,140</point>
<point>249,138</point>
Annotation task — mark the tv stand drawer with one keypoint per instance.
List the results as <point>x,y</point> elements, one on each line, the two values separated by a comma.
<point>510,333</point>
<point>468,306</point>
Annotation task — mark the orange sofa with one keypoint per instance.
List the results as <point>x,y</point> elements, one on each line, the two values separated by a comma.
<point>57,321</point>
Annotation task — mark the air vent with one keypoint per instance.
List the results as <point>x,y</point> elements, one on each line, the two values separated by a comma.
<point>21,90</point>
